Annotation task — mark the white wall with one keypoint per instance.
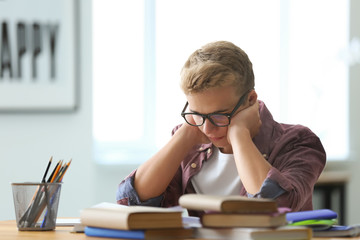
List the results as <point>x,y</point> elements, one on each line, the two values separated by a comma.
<point>28,140</point>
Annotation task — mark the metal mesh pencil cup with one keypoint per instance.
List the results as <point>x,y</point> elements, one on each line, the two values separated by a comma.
<point>36,205</point>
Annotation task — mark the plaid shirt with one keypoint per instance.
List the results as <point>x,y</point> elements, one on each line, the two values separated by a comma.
<point>295,153</point>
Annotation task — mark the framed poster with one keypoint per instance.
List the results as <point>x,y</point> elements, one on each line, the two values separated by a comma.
<point>38,59</point>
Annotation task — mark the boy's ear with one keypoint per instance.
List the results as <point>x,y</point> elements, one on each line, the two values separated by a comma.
<point>252,98</point>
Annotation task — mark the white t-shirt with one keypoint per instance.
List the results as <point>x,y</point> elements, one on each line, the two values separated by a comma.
<point>218,176</point>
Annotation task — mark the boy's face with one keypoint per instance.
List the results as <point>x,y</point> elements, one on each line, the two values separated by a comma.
<point>215,100</point>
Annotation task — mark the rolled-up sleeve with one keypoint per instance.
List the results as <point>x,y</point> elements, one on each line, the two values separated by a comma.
<point>297,157</point>
<point>126,194</point>
<point>295,169</point>
<point>269,189</point>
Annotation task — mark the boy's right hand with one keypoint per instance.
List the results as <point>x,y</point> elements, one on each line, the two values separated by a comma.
<point>195,135</point>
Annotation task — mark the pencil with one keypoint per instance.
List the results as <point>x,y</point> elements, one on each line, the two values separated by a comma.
<point>53,172</point>
<point>56,171</point>
<point>67,166</point>
<point>47,169</point>
<point>44,177</point>
<point>62,172</point>
<point>35,197</point>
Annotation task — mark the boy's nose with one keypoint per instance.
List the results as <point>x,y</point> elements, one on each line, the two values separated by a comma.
<point>208,126</point>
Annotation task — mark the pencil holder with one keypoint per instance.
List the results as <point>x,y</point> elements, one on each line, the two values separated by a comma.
<point>36,205</point>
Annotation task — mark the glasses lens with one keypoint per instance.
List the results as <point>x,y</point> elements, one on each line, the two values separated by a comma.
<point>194,119</point>
<point>220,120</point>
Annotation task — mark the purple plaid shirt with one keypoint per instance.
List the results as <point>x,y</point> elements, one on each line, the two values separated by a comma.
<point>295,153</point>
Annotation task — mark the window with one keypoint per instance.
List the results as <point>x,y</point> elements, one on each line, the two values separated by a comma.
<point>317,86</point>
<point>118,73</point>
<point>137,58</point>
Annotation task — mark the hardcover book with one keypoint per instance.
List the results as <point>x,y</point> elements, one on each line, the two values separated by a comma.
<point>280,233</point>
<point>245,219</point>
<point>228,204</point>
<point>149,234</point>
<point>115,216</point>
<point>339,231</point>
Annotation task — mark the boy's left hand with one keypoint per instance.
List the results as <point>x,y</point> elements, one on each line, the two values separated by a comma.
<point>247,120</point>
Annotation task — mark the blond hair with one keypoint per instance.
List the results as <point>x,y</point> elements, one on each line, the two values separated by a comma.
<point>217,64</point>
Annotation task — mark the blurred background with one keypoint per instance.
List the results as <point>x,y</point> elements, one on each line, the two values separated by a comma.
<point>98,82</point>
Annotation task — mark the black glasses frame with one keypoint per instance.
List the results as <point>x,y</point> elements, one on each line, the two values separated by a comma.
<point>208,116</point>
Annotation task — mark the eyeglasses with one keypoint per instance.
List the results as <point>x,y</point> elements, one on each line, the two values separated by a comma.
<point>218,119</point>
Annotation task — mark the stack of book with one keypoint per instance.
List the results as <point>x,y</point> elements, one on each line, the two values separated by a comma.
<point>323,222</point>
<point>133,222</point>
<point>226,217</point>
<point>237,217</point>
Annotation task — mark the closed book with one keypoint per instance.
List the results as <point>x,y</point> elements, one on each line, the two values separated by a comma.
<point>316,224</point>
<point>228,204</point>
<point>279,233</point>
<point>339,231</point>
<point>244,219</point>
<point>311,215</point>
<point>156,234</point>
<point>115,216</point>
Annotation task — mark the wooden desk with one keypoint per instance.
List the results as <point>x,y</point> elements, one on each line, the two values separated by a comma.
<point>9,231</point>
